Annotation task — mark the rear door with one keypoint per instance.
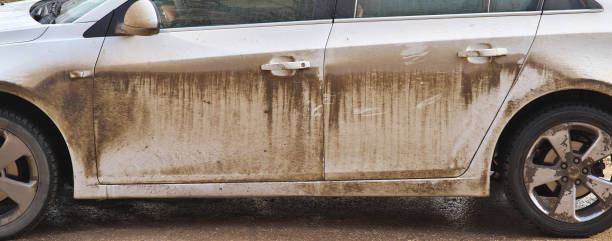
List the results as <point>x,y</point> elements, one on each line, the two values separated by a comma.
<point>207,99</point>
<point>413,85</point>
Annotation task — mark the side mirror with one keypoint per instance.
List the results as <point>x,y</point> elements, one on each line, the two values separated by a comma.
<point>141,19</point>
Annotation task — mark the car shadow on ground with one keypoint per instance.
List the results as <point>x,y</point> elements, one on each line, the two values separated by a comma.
<point>305,218</point>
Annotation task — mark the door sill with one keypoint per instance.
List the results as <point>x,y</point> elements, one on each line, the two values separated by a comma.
<point>477,187</point>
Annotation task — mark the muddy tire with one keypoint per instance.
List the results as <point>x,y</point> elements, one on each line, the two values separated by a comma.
<point>28,175</point>
<point>557,171</point>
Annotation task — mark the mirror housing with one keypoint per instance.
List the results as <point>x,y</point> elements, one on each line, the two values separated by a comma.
<point>142,18</point>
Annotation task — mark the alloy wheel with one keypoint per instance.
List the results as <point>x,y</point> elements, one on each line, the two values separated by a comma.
<point>18,177</point>
<point>568,172</point>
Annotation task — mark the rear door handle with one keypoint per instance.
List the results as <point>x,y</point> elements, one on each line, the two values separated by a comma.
<point>495,52</point>
<point>287,66</point>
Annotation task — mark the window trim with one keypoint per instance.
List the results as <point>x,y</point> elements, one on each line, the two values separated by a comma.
<point>572,11</point>
<point>248,25</point>
<point>442,16</point>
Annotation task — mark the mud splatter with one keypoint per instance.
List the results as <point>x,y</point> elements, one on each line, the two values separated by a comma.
<point>218,126</point>
<point>387,123</point>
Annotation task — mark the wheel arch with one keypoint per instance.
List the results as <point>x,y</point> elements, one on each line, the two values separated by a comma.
<point>586,96</point>
<point>40,118</point>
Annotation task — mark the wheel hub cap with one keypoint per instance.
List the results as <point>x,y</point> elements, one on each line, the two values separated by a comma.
<point>564,184</point>
<point>17,187</point>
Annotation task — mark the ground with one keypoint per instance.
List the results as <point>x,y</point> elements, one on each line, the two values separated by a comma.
<point>297,218</point>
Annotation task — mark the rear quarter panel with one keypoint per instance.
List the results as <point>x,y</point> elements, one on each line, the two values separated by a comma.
<point>571,52</point>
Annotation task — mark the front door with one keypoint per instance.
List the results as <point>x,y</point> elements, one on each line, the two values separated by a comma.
<point>413,86</point>
<point>228,91</point>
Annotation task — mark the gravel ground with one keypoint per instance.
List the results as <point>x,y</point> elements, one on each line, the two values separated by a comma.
<point>299,218</point>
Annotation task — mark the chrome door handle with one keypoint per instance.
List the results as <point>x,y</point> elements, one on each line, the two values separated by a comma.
<point>287,66</point>
<point>484,53</point>
<point>80,74</point>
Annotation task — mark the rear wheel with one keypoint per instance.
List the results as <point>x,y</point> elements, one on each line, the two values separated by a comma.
<point>559,171</point>
<point>28,177</point>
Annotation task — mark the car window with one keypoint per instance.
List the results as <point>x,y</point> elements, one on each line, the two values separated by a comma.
<point>514,5</point>
<point>193,13</point>
<point>391,8</point>
<point>71,10</point>
<point>571,4</point>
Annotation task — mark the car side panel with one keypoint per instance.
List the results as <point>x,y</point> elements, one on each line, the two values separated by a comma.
<point>558,41</point>
<point>194,106</point>
<point>39,72</point>
<point>400,103</point>
<point>56,95</point>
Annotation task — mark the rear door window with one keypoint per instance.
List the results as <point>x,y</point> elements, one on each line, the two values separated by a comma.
<point>571,4</point>
<point>394,8</point>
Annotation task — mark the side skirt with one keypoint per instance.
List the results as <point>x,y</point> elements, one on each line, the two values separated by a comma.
<point>477,187</point>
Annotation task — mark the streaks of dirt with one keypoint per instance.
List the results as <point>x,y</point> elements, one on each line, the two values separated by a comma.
<point>393,120</point>
<point>212,126</point>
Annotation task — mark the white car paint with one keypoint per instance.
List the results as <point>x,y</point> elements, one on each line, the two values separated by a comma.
<point>37,56</point>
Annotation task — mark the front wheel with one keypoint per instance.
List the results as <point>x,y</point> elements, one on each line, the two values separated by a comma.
<point>558,172</point>
<point>28,178</point>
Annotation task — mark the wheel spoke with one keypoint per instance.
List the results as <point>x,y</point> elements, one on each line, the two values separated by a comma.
<point>11,150</point>
<point>600,149</point>
<point>602,189</point>
<point>565,209</point>
<point>536,175</point>
<point>559,138</point>
<point>21,193</point>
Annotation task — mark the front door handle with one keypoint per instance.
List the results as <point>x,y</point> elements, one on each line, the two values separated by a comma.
<point>80,74</point>
<point>495,52</point>
<point>287,66</point>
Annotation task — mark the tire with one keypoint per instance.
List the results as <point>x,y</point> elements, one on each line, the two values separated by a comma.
<point>31,176</point>
<point>529,162</point>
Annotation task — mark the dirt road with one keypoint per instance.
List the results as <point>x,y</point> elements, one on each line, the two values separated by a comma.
<point>289,219</point>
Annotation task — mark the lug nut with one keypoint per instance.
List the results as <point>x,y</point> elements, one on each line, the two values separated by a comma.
<point>578,182</point>
<point>564,179</point>
<point>585,171</point>
<point>564,165</point>
<point>576,160</point>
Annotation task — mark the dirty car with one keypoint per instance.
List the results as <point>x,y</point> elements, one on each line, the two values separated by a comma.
<point>260,98</point>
